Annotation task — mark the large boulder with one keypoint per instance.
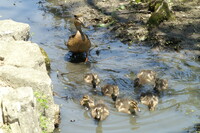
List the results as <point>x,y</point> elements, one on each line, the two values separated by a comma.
<point>26,96</point>
<point>13,31</point>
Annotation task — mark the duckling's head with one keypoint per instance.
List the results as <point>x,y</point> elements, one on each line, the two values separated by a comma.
<point>133,106</point>
<point>137,82</point>
<point>98,111</point>
<point>87,102</point>
<point>151,106</point>
<point>114,97</point>
<point>161,84</point>
<point>115,93</point>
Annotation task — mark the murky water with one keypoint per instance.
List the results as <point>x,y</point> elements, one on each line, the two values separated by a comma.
<point>116,63</point>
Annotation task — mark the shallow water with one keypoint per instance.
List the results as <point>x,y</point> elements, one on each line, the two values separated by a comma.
<point>117,64</point>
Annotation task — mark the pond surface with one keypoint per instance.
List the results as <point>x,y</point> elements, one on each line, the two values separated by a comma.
<point>116,63</point>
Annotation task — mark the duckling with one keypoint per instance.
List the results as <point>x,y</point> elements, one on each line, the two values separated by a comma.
<point>100,111</point>
<point>160,84</point>
<point>111,91</point>
<point>79,42</point>
<point>145,77</point>
<point>127,106</point>
<point>92,79</point>
<point>87,102</point>
<point>149,99</point>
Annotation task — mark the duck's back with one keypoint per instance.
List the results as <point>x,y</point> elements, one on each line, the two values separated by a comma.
<point>79,43</point>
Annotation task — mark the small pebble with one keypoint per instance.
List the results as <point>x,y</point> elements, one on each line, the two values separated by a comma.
<point>72,120</point>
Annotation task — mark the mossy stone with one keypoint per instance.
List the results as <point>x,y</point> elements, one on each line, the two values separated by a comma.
<point>46,58</point>
<point>160,13</point>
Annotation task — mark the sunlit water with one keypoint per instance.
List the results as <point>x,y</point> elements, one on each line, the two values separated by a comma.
<point>117,64</point>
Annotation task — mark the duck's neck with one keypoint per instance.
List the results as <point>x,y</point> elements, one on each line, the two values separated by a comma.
<point>79,31</point>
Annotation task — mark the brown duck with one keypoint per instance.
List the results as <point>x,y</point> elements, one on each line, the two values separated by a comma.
<point>79,42</point>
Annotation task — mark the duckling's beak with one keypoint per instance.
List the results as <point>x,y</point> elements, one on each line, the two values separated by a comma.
<point>98,116</point>
<point>94,85</point>
<point>114,98</point>
<point>151,109</point>
<point>139,110</point>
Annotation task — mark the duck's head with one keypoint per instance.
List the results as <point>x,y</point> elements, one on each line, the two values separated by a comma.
<point>133,106</point>
<point>87,102</point>
<point>77,22</point>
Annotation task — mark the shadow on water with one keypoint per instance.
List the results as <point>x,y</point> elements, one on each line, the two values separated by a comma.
<point>75,57</point>
<point>115,63</point>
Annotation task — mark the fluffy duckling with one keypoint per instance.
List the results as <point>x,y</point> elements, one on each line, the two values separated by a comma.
<point>87,102</point>
<point>160,84</point>
<point>111,91</point>
<point>92,79</point>
<point>100,111</point>
<point>127,106</point>
<point>149,99</point>
<point>79,42</point>
<point>145,77</point>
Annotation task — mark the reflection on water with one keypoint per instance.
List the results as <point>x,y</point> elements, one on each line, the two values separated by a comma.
<point>99,128</point>
<point>115,63</point>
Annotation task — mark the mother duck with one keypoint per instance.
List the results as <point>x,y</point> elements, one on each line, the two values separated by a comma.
<point>79,42</point>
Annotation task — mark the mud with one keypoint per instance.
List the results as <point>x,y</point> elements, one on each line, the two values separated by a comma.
<point>127,20</point>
